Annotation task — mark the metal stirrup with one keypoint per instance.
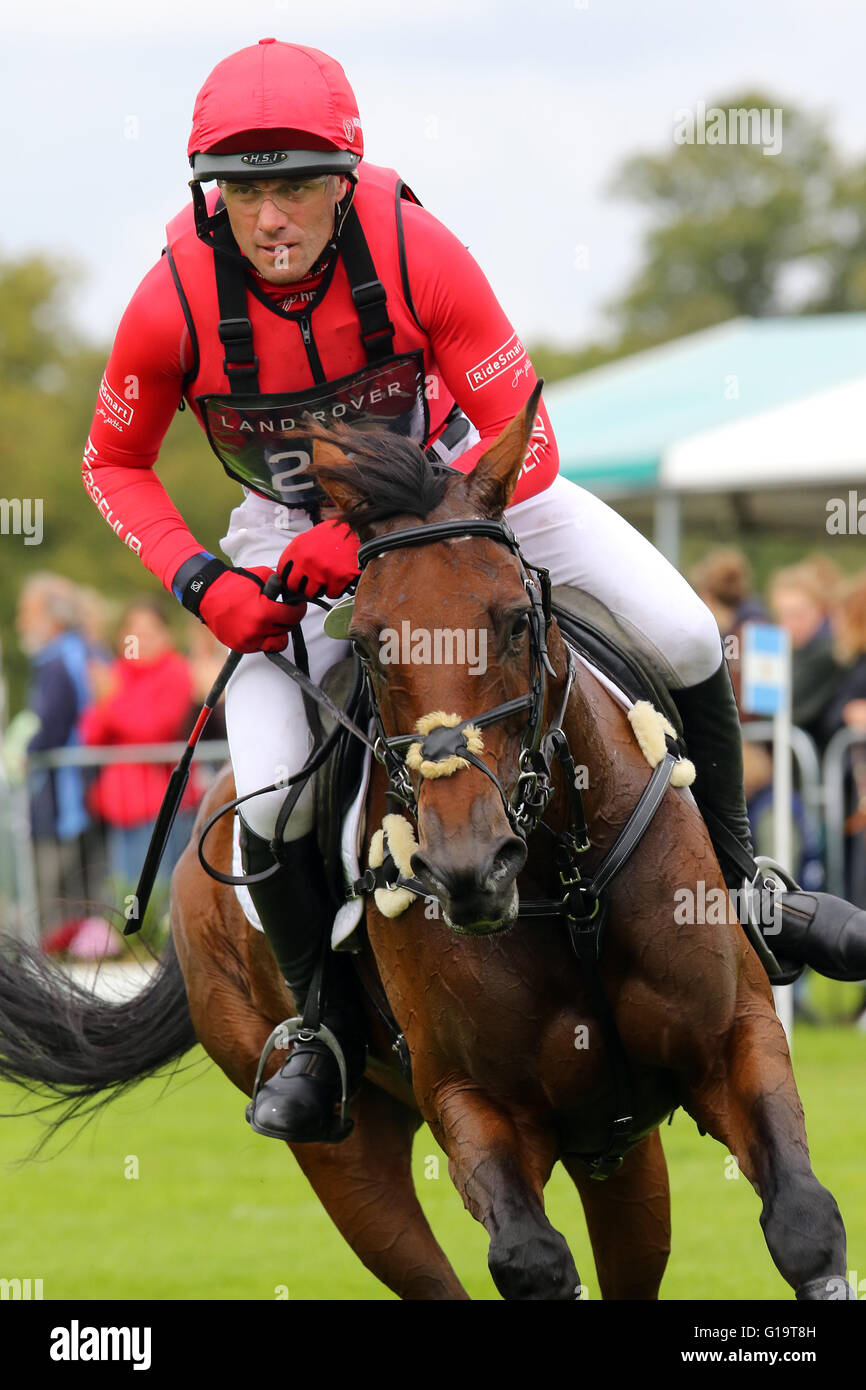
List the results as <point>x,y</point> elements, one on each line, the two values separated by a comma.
<point>294,1028</point>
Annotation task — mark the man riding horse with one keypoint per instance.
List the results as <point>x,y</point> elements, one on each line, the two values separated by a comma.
<point>312,282</point>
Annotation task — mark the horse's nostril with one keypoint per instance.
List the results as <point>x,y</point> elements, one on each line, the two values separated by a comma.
<point>426,872</point>
<point>508,860</point>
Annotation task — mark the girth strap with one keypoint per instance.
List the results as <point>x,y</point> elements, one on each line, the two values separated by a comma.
<point>585,936</point>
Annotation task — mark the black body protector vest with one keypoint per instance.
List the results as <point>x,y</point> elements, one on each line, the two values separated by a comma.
<point>254,435</point>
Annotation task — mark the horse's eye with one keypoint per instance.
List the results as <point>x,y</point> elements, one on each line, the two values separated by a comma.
<point>519,626</point>
<point>360,650</point>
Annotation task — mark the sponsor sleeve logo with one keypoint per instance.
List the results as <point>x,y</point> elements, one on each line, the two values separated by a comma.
<point>537,447</point>
<point>94,491</point>
<point>119,410</point>
<point>501,360</point>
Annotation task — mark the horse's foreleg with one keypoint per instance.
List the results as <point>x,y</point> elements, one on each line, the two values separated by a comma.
<point>628,1217</point>
<point>749,1102</point>
<point>499,1166</point>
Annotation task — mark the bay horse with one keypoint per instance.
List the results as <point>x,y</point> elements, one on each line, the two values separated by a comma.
<point>511,1061</point>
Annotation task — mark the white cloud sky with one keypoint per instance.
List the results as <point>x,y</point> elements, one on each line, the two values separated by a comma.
<point>508,121</point>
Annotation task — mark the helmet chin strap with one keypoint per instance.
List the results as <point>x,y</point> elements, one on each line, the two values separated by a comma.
<point>339,218</point>
<point>343,207</point>
<point>206,223</point>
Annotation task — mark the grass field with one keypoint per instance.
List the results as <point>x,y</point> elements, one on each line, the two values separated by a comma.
<point>219,1213</point>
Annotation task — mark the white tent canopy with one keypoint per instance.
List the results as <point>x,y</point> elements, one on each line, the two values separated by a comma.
<point>820,437</point>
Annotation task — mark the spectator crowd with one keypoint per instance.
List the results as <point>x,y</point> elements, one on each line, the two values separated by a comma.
<point>103,679</point>
<point>825,618</point>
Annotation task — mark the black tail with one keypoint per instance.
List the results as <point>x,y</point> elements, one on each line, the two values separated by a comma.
<point>77,1052</point>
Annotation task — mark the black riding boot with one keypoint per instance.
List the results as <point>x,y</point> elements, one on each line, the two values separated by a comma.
<point>815,929</point>
<point>298,1102</point>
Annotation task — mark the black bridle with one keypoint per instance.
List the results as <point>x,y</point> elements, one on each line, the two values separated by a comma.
<point>533,789</point>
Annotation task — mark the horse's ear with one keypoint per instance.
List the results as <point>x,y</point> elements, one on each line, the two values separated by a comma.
<point>334,472</point>
<point>492,481</point>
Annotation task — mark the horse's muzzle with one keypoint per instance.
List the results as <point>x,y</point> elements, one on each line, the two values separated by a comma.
<point>477,898</point>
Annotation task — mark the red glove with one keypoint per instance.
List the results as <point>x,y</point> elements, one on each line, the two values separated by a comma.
<point>323,560</point>
<point>237,612</point>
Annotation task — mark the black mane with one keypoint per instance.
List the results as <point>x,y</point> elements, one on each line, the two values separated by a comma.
<point>390,474</point>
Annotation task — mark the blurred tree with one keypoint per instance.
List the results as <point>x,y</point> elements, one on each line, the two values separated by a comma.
<point>35,336</point>
<point>728,223</point>
<point>48,384</point>
<point>846,255</point>
<point>734,231</point>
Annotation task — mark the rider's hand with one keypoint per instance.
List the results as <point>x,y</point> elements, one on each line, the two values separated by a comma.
<point>323,560</point>
<point>237,612</point>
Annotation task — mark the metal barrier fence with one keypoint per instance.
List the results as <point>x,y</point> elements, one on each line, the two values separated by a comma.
<point>805,756</point>
<point>835,768</point>
<point>19,858</point>
<point>822,784</point>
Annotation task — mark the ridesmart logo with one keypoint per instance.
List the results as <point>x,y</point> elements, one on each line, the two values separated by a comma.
<point>120,412</point>
<point>77,1343</point>
<point>496,363</point>
<point>438,646</point>
<point>738,125</point>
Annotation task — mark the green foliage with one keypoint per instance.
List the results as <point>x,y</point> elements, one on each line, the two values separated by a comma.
<point>35,337</point>
<point>48,386</point>
<point>846,252</point>
<point>727,220</point>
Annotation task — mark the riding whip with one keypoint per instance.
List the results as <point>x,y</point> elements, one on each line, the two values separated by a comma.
<point>177,786</point>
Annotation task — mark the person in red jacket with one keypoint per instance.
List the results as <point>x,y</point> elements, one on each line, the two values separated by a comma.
<point>312,281</point>
<point>143,697</point>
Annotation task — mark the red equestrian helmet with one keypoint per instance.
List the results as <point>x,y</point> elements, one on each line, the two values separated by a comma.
<point>275,109</point>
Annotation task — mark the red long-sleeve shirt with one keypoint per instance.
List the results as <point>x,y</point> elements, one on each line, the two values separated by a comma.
<point>472,355</point>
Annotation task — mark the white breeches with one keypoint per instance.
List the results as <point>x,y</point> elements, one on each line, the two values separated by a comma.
<point>582,541</point>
